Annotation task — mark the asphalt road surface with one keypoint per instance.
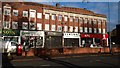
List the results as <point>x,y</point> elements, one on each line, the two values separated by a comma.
<point>69,62</point>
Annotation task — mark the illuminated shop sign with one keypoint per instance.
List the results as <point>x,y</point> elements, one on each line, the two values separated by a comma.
<point>10,32</point>
<point>91,36</point>
<point>71,35</point>
<point>53,33</point>
<point>32,33</point>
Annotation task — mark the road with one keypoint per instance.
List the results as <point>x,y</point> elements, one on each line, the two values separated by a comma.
<point>69,62</point>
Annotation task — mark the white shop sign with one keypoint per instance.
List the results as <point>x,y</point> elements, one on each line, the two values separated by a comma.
<point>71,35</point>
<point>32,33</point>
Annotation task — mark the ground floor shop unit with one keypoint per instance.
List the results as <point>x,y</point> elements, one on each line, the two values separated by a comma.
<point>91,40</point>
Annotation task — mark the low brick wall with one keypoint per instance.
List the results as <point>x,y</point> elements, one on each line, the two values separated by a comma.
<point>65,51</point>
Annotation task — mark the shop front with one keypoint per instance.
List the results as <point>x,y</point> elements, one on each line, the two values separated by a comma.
<point>53,39</point>
<point>71,39</point>
<point>11,35</point>
<point>32,39</point>
<point>91,40</point>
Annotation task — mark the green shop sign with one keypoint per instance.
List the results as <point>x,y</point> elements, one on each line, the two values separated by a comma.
<point>10,32</point>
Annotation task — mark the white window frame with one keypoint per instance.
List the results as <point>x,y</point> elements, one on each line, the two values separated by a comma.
<point>90,30</point>
<point>71,28</point>
<point>86,29</point>
<point>71,19</point>
<point>53,17</point>
<point>60,28</point>
<point>59,17</point>
<point>85,21</point>
<point>81,20</point>
<point>94,21</point>
<point>7,10</point>
<point>47,16</point>
<point>104,31</point>
<point>53,28</point>
<point>76,19</point>
<point>65,28</point>
<point>39,15</point>
<point>14,25</point>
<point>65,18</point>
<point>76,29</point>
<point>39,26</point>
<point>81,29</point>
<point>32,13</point>
<point>90,21</point>
<point>25,12</point>
<point>47,27</point>
<point>30,24</point>
<point>95,30</point>
<point>99,29</point>
<point>15,12</point>
<point>24,23</point>
<point>7,26</point>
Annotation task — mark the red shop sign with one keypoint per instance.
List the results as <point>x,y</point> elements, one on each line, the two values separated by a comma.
<point>91,35</point>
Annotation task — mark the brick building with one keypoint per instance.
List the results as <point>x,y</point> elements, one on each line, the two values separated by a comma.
<point>45,26</point>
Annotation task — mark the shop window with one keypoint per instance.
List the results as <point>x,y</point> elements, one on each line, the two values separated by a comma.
<point>15,12</point>
<point>71,28</point>
<point>39,26</point>
<point>65,18</point>
<point>14,25</point>
<point>32,13</point>
<point>39,15</point>
<point>76,29</point>
<point>81,29</point>
<point>59,17</point>
<point>32,26</point>
<point>71,19</point>
<point>53,17</point>
<point>46,26</point>
<point>103,31</point>
<point>95,30</point>
<point>76,19</point>
<point>46,16</point>
<point>99,30</point>
<point>25,13</point>
<point>6,11</point>
<point>6,25</point>
<point>65,28</point>
<point>86,30</point>
<point>59,28</point>
<point>25,25</point>
<point>90,30</point>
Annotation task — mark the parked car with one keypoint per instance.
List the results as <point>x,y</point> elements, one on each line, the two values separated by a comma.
<point>9,46</point>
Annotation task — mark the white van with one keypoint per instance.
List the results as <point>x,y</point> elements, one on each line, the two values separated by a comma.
<point>9,46</point>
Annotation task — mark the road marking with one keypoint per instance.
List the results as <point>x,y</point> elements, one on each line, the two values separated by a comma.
<point>45,65</point>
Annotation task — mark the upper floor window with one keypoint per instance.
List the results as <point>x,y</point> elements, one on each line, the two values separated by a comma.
<point>7,11</point>
<point>99,22</point>
<point>14,25</point>
<point>90,21</point>
<point>39,26</point>
<point>99,30</point>
<point>86,30</point>
<point>71,28</point>
<point>76,19</point>
<point>94,21</point>
<point>60,28</point>
<point>81,20</point>
<point>53,17</point>
<point>85,20</point>
<point>59,17</point>
<point>15,12</point>
<point>53,28</point>
<point>25,13</point>
<point>90,30</point>
<point>46,16</point>
<point>39,15</point>
<point>81,29</point>
<point>32,13</point>
<point>46,26</point>
<point>65,28</point>
<point>6,25</point>
<point>103,31</point>
<point>95,30</point>
<point>71,19</point>
<point>65,18</point>
<point>32,26</point>
<point>25,25</point>
<point>76,29</point>
<point>0,11</point>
